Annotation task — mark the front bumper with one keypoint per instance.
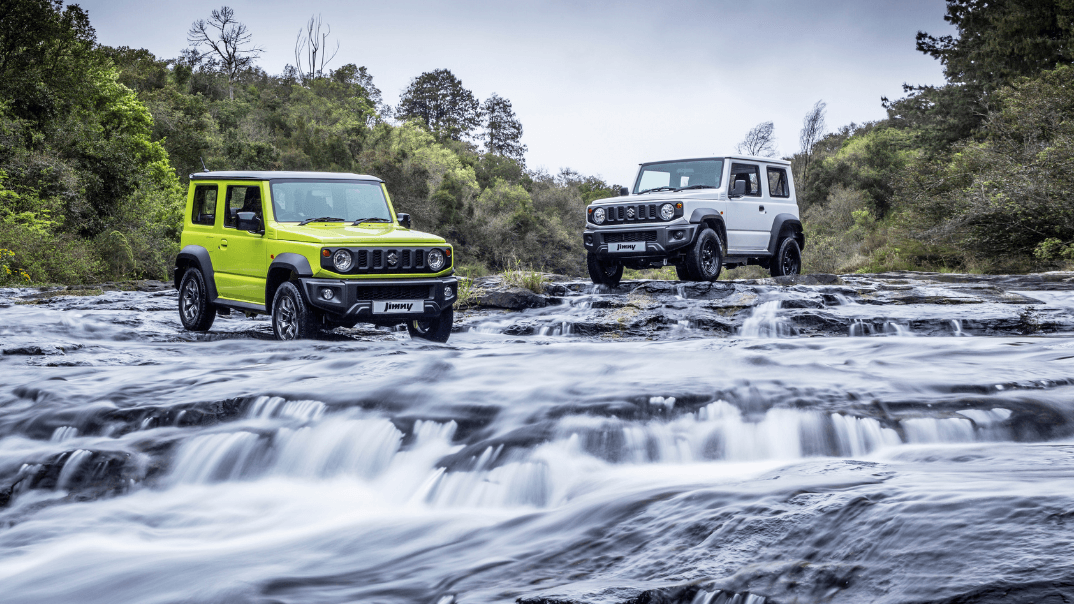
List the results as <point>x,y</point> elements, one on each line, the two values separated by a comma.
<point>364,299</point>
<point>660,240</point>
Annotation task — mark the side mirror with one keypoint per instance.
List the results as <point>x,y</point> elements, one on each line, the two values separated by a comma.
<point>248,221</point>
<point>623,191</point>
<point>404,219</point>
<point>739,189</point>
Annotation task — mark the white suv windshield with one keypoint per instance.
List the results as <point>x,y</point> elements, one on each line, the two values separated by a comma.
<point>679,175</point>
<point>332,200</point>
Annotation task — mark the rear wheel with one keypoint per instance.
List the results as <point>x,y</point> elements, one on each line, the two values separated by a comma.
<point>292,318</point>
<point>705,258</point>
<point>195,311</point>
<point>436,330</point>
<point>788,260</point>
<point>603,273</point>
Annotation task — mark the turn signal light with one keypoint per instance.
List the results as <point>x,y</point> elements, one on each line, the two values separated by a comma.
<point>326,253</point>
<point>679,205</point>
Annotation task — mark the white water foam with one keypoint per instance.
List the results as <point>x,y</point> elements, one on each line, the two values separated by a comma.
<point>765,322</point>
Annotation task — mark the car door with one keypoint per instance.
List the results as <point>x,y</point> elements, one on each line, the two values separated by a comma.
<point>748,222</point>
<point>242,257</point>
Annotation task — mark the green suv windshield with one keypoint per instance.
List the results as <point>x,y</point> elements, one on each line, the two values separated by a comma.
<point>305,201</point>
<point>679,175</point>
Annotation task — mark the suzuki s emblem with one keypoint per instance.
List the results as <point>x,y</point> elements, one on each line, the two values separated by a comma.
<point>630,212</point>
<point>392,258</point>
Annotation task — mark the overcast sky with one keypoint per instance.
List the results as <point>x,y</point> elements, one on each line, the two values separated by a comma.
<point>601,86</point>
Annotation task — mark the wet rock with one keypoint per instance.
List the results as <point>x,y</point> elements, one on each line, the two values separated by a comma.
<point>512,298</point>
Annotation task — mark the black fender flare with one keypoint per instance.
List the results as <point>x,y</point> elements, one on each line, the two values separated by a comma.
<point>285,265</point>
<point>196,255</point>
<point>782,223</point>
<point>702,214</point>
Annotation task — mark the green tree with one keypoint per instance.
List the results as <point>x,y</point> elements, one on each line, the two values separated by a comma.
<point>503,130</point>
<point>439,100</point>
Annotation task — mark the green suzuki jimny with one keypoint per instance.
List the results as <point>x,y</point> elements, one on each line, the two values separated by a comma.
<point>316,250</point>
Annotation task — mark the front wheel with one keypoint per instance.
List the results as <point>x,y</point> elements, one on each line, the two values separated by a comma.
<point>436,330</point>
<point>292,318</point>
<point>788,260</point>
<point>603,273</point>
<point>195,311</point>
<point>705,258</point>
<point>682,273</point>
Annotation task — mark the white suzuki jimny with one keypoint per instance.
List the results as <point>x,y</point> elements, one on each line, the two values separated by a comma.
<point>700,215</point>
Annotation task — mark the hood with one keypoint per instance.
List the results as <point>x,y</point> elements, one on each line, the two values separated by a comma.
<point>370,233</point>
<point>663,196</point>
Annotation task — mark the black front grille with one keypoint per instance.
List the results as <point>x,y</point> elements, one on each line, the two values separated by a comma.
<point>630,236</point>
<point>395,292</point>
<point>385,260</point>
<point>634,213</point>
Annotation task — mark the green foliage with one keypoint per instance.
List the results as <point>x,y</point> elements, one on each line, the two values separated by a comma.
<point>438,99</point>
<point>524,278</point>
<point>10,273</point>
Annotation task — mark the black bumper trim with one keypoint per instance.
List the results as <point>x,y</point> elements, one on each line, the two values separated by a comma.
<point>353,299</point>
<point>665,244</point>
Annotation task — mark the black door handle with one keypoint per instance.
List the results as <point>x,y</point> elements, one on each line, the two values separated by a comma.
<point>760,208</point>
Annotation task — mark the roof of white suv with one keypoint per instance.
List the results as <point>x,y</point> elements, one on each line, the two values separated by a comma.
<point>767,160</point>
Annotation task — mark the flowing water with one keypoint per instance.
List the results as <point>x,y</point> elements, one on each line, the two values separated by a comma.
<point>141,463</point>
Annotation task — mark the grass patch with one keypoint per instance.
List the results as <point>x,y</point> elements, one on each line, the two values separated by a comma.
<point>524,278</point>
<point>664,273</point>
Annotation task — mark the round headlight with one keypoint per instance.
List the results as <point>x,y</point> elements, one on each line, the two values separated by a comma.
<point>436,260</point>
<point>598,216</point>
<point>667,211</point>
<point>342,260</point>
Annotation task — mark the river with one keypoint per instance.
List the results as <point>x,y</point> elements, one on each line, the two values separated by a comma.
<point>743,462</point>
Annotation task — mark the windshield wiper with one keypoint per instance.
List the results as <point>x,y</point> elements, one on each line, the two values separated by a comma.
<point>696,187</point>
<point>361,220</point>
<point>321,219</point>
<point>657,189</point>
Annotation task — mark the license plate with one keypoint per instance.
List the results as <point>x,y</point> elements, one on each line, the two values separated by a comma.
<point>632,246</point>
<point>398,306</point>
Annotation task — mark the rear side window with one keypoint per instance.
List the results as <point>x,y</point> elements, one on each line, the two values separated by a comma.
<point>777,183</point>
<point>204,205</point>
<point>751,175</point>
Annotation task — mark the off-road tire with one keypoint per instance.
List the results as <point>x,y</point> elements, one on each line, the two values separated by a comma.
<point>704,260</point>
<point>292,318</point>
<point>195,311</point>
<point>788,260</point>
<point>603,273</point>
<point>435,330</point>
<point>683,274</point>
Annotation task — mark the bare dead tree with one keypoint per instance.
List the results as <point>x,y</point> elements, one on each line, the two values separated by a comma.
<point>229,40</point>
<point>759,141</point>
<point>813,127</point>
<point>311,50</point>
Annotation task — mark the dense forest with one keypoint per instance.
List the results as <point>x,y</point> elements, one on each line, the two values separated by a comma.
<point>96,144</point>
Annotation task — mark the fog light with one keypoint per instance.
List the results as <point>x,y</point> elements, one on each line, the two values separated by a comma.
<point>447,292</point>
<point>677,234</point>
<point>327,293</point>
<point>589,240</point>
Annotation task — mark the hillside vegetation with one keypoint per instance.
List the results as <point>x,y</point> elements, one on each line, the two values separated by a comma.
<point>96,145</point>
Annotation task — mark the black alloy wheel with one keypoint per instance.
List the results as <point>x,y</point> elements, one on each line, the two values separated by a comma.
<point>195,311</point>
<point>603,273</point>
<point>435,330</point>
<point>788,260</point>
<point>705,258</point>
<point>292,318</point>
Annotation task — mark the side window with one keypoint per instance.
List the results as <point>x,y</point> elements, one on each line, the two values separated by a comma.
<point>777,183</point>
<point>751,175</point>
<point>204,205</point>
<point>241,198</point>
